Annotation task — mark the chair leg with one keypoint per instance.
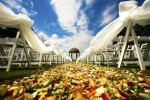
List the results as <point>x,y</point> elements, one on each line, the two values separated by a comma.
<point>138,51</point>
<point>4,61</point>
<point>12,53</point>
<point>40,60</point>
<point>145,55</point>
<point>125,44</point>
<point>50,59</point>
<point>25,49</point>
<point>107,57</point>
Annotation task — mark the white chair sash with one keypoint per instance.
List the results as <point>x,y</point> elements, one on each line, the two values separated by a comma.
<point>9,19</point>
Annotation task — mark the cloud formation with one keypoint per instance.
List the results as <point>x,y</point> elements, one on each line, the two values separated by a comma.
<point>42,35</point>
<point>67,42</point>
<point>108,14</point>
<point>17,5</point>
<point>72,19</point>
<point>67,13</point>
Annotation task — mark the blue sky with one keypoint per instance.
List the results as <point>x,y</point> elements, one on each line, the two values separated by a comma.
<point>67,23</point>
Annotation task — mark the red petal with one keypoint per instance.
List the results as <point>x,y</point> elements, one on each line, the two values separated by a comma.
<point>142,75</point>
<point>85,84</point>
<point>90,93</point>
<point>148,83</point>
<point>9,93</point>
<point>52,83</point>
<point>105,96</point>
<point>130,83</point>
<point>68,85</point>
<point>75,89</point>
<point>123,94</point>
<point>142,81</point>
<point>47,95</point>
<point>34,81</point>
<point>91,89</point>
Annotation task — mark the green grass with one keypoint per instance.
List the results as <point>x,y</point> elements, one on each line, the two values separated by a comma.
<point>147,71</point>
<point>19,72</point>
<point>137,68</point>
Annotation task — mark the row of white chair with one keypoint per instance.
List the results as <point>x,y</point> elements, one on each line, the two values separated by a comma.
<point>15,51</point>
<point>111,54</point>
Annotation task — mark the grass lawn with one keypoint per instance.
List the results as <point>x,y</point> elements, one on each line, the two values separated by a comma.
<point>129,67</point>
<point>19,72</point>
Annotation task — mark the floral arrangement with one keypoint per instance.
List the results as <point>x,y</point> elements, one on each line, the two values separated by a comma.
<point>79,82</point>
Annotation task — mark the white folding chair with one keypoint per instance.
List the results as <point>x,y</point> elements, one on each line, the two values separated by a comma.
<point>138,51</point>
<point>8,58</point>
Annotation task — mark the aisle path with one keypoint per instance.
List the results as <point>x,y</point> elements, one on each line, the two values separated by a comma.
<point>74,81</point>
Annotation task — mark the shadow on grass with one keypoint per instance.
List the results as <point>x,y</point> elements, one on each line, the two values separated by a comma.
<point>17,72</point>
<point>129,67</point>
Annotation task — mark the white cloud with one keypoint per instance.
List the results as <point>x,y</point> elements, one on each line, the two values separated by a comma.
<point>54,36</point>
<point>82,21</point>
<point>108,14</point>
<point>80,41</point>
<point>88,2</point>
<point>20,1</point>
<point>24,11</point>
<point>67,13</point>
<point>67,42</point>
<point>32,4</point>
<point>72,19</point>
<point>16,5</point>
<point>42,35</point>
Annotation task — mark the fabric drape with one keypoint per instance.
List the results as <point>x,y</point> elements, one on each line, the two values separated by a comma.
<point>9,19</point>
<point>128,11</point>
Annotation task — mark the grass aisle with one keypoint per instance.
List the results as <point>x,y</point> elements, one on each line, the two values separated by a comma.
<point>75,82</point>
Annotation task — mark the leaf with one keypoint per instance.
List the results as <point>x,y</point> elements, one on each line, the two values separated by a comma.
<point>51,98</point>
<point>75,81</point>
<point>80,96</point>
<point>46,83</point>
<point>145,96</point>
<point>3,90</point>
<point>21,89</point>
<point>15,93</point>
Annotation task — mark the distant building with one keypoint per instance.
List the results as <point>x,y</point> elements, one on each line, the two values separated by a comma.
<point>74,53</point>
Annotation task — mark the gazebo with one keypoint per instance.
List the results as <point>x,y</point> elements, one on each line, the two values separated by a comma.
<point>74,53</point>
